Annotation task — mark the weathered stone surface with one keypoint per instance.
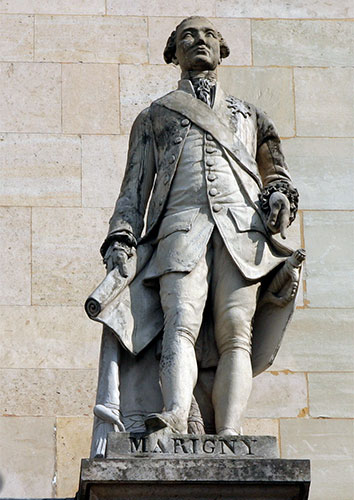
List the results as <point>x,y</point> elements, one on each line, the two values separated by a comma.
<point>160,8</point>
<point>48,337</point>
<point>329,445</point>
<point>318,340</point>
<point>67,264</point>
<point>279,8</point>
<point>30,97</point>
<point>303,43</point>
<point>29,450</point>
<point>90,99</point>
<point>91,39</point>
<point>331,394</point>
<point>270,89</point>
<point>327,267</point>
<point>333,158</point>
<point>73,438</point>
<point>332,86</point>
<point>162,443</point>
<point>53,6</point>
<point>150,82</point>
<point>40,170</point>
<point>277,394</point>
<point>45,392</point>
<point>193,477</point>
<point>16,42</point>
<point>15,265</point>
<point>237,33</point>
<point>103,165</point>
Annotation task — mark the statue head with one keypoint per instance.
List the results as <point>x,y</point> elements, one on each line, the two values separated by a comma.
<point>195,45</point>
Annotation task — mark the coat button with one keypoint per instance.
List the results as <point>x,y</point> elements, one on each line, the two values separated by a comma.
<point>213,192</point>
<point>217,207</point>
<point>172,159</point>
<point>184,122</point>
<point>209,137</point>
<point>166,179</point>
<point>178,140</point>
<point>210,162</point>
<point>210,149</point>
<point>211,177</point>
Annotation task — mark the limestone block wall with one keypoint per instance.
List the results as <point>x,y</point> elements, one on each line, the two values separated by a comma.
<point>73,75</point>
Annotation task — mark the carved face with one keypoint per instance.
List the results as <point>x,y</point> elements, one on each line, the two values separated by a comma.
<point>197,45</point>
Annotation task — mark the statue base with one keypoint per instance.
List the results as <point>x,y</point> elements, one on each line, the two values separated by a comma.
<point>164,466</point>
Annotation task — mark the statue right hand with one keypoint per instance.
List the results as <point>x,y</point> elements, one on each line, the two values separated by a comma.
<point>117,255</point>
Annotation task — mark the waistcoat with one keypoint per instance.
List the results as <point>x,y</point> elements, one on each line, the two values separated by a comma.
<point>202,175</point>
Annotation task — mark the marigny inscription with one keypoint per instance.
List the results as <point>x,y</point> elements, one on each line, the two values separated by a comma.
<point>192,445</point>
<point>160,443</point>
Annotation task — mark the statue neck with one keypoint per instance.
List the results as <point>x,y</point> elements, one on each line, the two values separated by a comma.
<point>193,75</point>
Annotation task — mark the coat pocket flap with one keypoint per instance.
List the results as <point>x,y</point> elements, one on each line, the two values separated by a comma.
<point>247,219</point>
<point>181,221</point>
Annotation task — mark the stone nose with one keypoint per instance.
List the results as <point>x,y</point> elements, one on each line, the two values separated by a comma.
<point>201,38</point>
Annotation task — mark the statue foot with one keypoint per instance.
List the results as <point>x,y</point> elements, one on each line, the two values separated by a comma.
<point>110,415</point>
<point>170,419</point>
<point>229,431</point>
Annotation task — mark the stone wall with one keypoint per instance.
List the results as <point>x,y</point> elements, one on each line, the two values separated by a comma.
<point>73,75</point>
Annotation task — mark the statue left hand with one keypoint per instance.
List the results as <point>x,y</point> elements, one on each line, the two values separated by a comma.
<point>279,216</point>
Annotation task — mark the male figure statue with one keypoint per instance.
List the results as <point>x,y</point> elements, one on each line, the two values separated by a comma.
<point>219,188</point>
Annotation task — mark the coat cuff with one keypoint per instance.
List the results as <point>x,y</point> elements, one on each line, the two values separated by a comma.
<point>280,187</point>
<point>122,236</point>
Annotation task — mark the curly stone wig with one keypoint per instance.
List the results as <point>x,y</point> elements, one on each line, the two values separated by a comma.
<point>170,49</point>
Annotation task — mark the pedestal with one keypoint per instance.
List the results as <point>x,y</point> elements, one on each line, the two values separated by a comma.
<point>165,466</point>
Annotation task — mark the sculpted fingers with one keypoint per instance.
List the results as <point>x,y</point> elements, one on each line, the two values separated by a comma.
<point>117,255</point>
<point>108,259</point>
<point>279,216</point>
<point>273,216</point>
<point>289,294</point>
<point>284,216</point>
<point>122,260</point>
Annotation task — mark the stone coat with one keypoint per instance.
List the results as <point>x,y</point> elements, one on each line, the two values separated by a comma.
<point>252,146</point>
<point>157,140</point>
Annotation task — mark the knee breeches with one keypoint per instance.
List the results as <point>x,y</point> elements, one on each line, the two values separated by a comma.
<point>232,297</point>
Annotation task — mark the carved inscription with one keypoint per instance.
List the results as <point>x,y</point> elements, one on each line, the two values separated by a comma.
<point>191,445</point>
<point>162,443</point>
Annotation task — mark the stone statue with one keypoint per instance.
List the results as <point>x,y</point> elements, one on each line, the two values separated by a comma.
<point>198,291</point>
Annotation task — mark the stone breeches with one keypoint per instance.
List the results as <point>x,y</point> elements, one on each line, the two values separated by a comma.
<point>232,298</point>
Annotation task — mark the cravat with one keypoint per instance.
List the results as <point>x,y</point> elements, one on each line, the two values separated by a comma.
<point>203,90</point>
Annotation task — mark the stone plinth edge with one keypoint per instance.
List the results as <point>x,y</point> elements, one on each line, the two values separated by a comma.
<point>191,477</point>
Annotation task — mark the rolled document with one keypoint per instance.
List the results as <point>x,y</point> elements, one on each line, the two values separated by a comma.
<point>114,283</point>
<point>284,274</point>
<point>106,291</point>
<point>284,285</point>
